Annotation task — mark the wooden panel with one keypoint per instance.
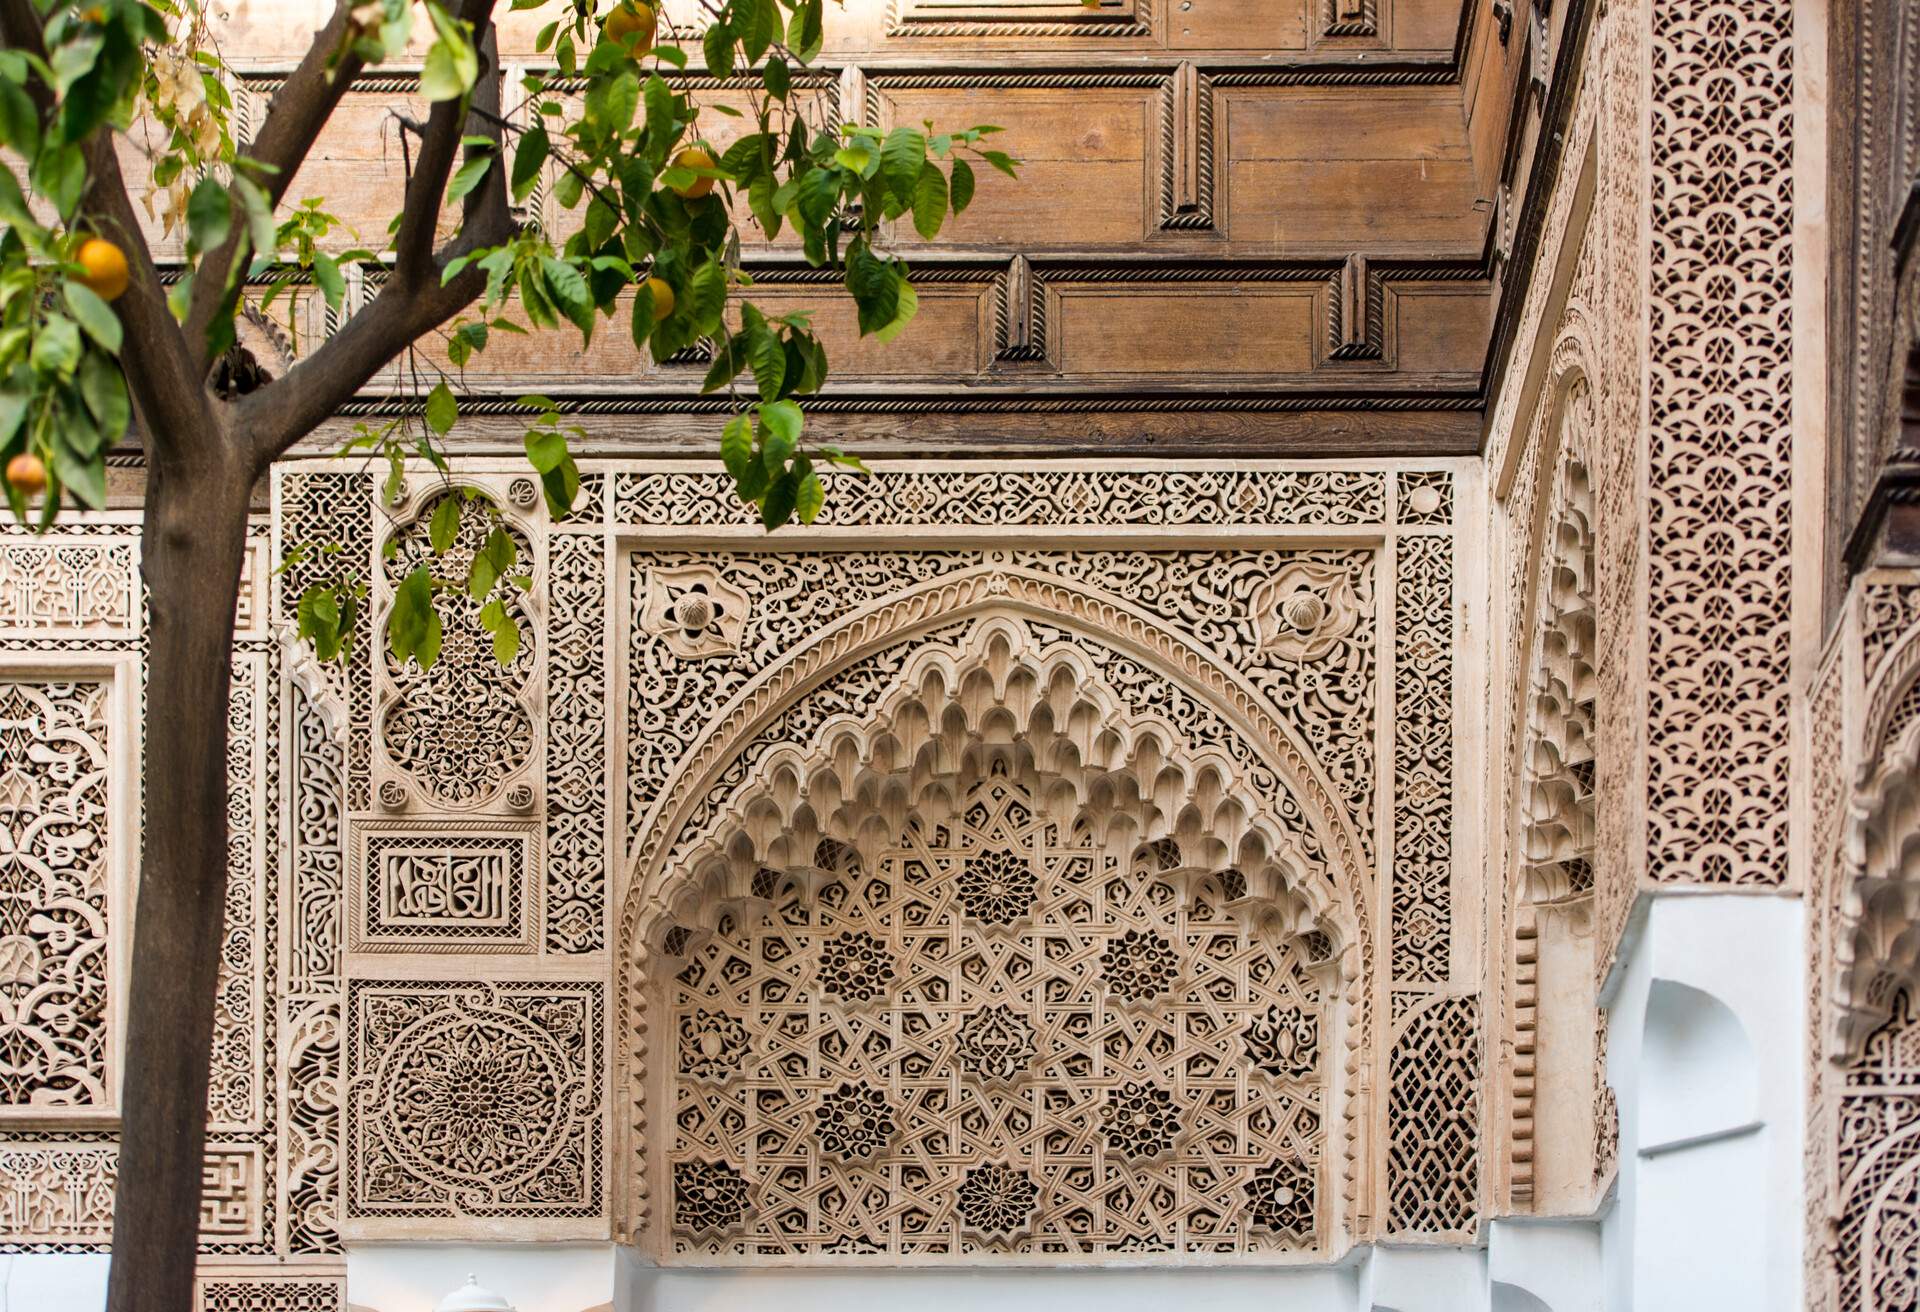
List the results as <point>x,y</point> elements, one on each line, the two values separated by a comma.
<point>1325,123</point>
<point>1441,329</point>
<point>1381,206</point>
<point>1339,169</point>
<point>1194,25</point>
<point>1084,178</point>
<point>1258,329</point>
<point>947,341</point>
<point>1425,24</point>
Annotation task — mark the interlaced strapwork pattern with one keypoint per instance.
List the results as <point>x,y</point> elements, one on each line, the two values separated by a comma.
<point>1433,1121</point>
<point>1719,446</point>
<point>576,744</point>
<point>460,730</point>
<point>920,1081</point>
<point>54,892</point>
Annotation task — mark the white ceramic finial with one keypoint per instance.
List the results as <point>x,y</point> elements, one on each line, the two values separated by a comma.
<point>470,1297</point>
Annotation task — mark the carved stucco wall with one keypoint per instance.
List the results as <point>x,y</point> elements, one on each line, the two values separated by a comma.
<point>1644,422</point>
<point>1135,930</point>
<point>1273,654</point>
<point>1864,1103</point>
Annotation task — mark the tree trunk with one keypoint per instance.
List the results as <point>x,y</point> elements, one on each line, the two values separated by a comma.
<point>192,545</point>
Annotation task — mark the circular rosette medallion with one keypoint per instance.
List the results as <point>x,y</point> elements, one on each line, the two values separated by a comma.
<point>473,1099</point>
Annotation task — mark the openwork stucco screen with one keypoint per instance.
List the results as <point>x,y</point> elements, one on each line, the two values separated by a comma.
<point>1023,864</point>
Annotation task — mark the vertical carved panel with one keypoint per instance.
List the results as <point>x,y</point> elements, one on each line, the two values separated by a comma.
<point>1423,763</point>
<point>456,735</point>
<point>577,746</point>
<point>1719,450</point>
<point>56,893</point>
<point>1433,1120</point>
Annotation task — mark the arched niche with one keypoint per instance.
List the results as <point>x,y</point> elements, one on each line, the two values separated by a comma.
<point>1098,913</point>
<point>1877,933</point>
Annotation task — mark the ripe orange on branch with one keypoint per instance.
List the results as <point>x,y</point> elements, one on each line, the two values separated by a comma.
<point>106,268</point>
<point>693,157</point>
<point>28,474</point>
<point>630,18</point>
<point>662,297</point>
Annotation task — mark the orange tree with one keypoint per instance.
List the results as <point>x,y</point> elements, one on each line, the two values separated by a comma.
<point>93,343</point>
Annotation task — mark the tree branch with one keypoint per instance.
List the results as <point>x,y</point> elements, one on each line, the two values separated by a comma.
<point>174,407</point>
<point>410,305</point>
<point>295,118</point>
<point>420,216</point>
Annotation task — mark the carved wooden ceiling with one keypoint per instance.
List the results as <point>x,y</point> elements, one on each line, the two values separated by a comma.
<point>1242,226</point>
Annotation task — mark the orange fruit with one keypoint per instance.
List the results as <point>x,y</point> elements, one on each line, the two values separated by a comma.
<point>28,474</point>
<point>694,158</point>
<point>106,266</point>
<point>629,19</point>
<point>662,297</point>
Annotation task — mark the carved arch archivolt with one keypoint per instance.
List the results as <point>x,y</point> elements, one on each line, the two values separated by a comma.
<point>992,707</point>
<point>1876,942</point>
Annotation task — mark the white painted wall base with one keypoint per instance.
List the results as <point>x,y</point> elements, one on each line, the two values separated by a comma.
<point>1707,1030</point>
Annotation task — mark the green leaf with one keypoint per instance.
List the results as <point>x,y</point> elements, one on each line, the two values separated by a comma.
<point>506,633</point>
<point>1000,160</point>
<point>875,284</point>
<point>569,288</point>
<point>326,272</point>
<point>612,101</point>
<point>261,228</point>
<point>56,347</point>
<point>778,77</point>
<point>546,449</point>
<point>907,306</point>
<point>528,156</point>
<point>85,478</point>
<point>94,315</point>
<point>760,200</point>
<point>320,622</point>
<point>105,392</point>
<point>817,196</point>
<point>776,507</point>
<point>805,34</point>
<point>717,48</point>
<point>930,201</point>
<point>19,121</point>
<point>442,409</point>
<point>901,161</point>
<point>757,20</point>
<point>736,446</point>
<point>209,215</point>
<point>784,420</point>
<point>412,617</point>
<point>856,158</point>
<point>59,175</point>
<point>469,174</point>
<point>707,297</point>
<point>962,185</point>
<point>494,559</point>
<point>768,359</point>
<point>809,497</point>
<point>452,63</point>
<point>445,524</point>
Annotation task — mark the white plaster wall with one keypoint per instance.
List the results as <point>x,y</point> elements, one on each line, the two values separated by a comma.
<point>53,1282</point>
<point>1706,1023</point>
<point>532,1277</point>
